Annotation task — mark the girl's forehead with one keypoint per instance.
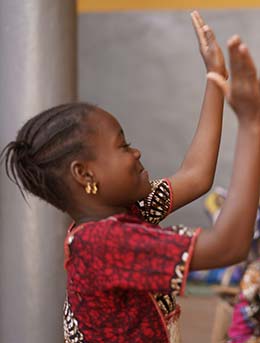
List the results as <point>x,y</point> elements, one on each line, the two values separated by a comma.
<point>105,121</point>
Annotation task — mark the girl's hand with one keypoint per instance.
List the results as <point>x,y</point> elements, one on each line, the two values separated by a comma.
<point>208,45</point>
<point>243,92</point>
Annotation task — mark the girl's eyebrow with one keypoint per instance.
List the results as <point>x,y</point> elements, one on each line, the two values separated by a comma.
<point>119,136</point>
<point>121,133</point>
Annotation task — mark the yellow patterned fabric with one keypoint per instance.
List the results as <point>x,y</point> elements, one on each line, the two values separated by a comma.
<point>174,331</point>
<point>157,205</point>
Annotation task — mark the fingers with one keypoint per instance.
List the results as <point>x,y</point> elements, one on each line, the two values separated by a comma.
<point>198,27</point>
<point>234,55</point>
<point>209,34</point>
<point>233,42</point>
<point>247,60</point>
<point>241,62</point>
<point>198,18</point>
<point>220,81</point>
<point>203,31</point>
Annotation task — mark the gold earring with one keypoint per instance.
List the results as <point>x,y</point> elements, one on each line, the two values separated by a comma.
<point>94,188</point>
<point>88,188</point>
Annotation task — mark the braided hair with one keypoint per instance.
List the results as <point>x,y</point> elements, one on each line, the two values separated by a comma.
<point>43,148</point>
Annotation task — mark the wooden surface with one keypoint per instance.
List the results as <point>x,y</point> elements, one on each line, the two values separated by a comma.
<point>197,317</point>
<point>125,5</point>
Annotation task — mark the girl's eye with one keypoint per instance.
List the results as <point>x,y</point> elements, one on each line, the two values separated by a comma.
<point>126,145</point>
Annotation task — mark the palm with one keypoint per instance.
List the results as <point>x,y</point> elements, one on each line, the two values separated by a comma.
<point>243,92</point>
<point>209,48</point>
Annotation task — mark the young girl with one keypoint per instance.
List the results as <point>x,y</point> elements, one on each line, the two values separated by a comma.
<point>123,269</point>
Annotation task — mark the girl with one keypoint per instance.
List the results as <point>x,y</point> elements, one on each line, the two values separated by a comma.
<point>123,269</point>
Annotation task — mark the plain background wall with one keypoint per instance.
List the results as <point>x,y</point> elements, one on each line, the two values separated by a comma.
<point>145,67</point>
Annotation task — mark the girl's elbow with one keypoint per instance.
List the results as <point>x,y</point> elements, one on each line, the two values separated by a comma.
<point>209,180</point>
<point>237,255</point>
<point>204,185</point>
<point>242,256</point>
<point>208,185</point>
<point>204,180</point>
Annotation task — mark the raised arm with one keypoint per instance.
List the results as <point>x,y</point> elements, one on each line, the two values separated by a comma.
<point>229,240</point>
<point>196,174</point>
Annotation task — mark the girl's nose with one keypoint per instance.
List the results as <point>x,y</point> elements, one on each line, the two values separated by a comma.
<point>137,153</point>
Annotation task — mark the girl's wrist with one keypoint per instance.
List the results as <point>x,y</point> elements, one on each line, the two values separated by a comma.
<point>251,123</point>
<point>219,70</point>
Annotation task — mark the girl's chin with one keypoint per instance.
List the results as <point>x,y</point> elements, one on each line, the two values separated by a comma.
<point>145,175</point>
<point>148,188</point>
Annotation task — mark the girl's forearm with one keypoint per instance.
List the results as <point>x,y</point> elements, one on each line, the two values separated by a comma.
<point>196,174</point>
<point>201,157</point>
<point>197,171</point>
<point>229,240</point>
<point>242,196</point>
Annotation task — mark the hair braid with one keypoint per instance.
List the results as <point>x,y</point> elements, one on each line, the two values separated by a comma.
<point>37,159</point>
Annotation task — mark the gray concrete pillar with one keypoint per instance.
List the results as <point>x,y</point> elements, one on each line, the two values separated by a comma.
<point>37,71</point>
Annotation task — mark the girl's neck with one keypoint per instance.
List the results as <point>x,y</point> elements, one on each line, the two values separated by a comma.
<point>99,214</point>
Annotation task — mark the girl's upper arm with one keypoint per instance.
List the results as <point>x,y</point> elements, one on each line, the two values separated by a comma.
<point>186,187</point>
<point>167,195</point>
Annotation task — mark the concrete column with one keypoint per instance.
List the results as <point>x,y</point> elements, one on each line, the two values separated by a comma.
<point>37,71</point>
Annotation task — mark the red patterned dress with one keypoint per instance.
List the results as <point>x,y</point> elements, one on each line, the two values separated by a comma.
<point>124,273</point>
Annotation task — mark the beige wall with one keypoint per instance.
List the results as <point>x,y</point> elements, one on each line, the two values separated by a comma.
<point>144,66</point>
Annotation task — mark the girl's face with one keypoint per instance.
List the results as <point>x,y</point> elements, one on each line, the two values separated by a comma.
<point>121,178</point>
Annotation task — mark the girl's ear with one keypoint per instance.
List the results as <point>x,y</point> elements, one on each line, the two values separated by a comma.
<point>81,173</point>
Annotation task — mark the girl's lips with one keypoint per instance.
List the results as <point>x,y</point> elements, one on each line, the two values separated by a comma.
<point>145,174</point>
